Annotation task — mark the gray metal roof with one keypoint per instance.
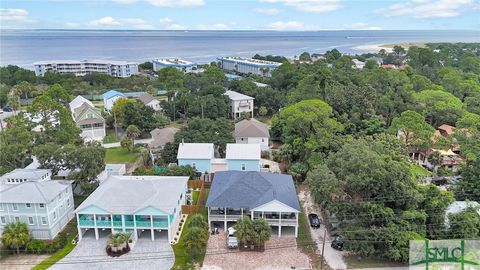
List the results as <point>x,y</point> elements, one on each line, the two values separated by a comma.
<point>232,95</point>
<point>129,194</point>
<point>32,174</point>
<point>162,136</point>
<point>146,98</point>
<point>195,151</point>
<point>251,128</point>
<point>243,151</point>
<point>236,189</point>
<point>32,192</point>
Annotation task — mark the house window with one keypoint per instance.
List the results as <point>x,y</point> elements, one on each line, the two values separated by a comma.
<point>68,202</point>
<point>243,167</point>
<point>1,206</point>
<point>3,219</point>
<point>17,219</point>
<point>263,140</point>
<point>44,221</point>
<point>28,205</point>
<point>42,205</point>
<point>15,207</point>
<point>30,220</point>
<point>54,215</point>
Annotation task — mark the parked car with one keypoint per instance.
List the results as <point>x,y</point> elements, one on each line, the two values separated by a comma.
<point>7,109</point>
<point>1,111</point>
<point>337,244</point>
<point>232,241</point>
<point>314,220</point>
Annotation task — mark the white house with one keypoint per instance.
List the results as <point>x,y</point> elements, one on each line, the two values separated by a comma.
<point>179,64</point>
<point>236,194</point>
<point>248,65</point>
<point>358,64</point>
<point>110,97</point>
<point>88,119</point>
<point>78,101</point>
<point>239,103</point>
<point>252,132</point>
<point>146,206</point>
<point>120,69</point>
<point>150,101</point>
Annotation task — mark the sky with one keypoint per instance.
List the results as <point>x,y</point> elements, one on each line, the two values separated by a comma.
<point>281,15</point>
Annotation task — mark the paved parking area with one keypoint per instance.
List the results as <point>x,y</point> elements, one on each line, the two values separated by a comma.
<point>280,253</point>
<point>146,254</point>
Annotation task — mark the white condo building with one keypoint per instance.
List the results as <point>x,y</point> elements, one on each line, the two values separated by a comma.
<point>248,65</point>
<point>179,64</point>
<point>120,69</point>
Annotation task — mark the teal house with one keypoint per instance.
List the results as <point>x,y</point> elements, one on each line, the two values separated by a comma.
<point>146,206</point>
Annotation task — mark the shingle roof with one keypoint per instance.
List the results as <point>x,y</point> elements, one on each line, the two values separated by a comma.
<point>237,96</point>
<point>129,194</point>
<point>243,151</point>
<point>195,151</point>
<point>78,101</point>
<point>236,189</point>
<point>111,93</point>
<point>162,136</point>
<point>251,128</point>
<point>146,98</point>
<point>32,192</point>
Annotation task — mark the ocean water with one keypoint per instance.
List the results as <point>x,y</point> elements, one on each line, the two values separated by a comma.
<point>23,47</point>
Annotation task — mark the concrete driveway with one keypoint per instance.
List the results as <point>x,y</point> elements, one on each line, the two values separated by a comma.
<point>333,258</point>
<point>146,254</point>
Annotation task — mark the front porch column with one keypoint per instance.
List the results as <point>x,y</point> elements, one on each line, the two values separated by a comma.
<point>96,233</point>
<point>208,219</point>
<point>241,212</point>
<point>279,230</point>
<point>280,219</point>
<point>151,226</point>
<point>123,223</point>
<point>252,213</point>
<point>169,228</point>
<point>78,228</point>
<point>94,220</point>
<point>225,219</point>
<point>263,214</point>
<point>296,226</point>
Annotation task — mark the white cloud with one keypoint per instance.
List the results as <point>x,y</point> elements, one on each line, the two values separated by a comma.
<point>215,26</point>
<point>313,6</point>
<point>175,26</point>
<point>176,3</point>
<point>104,22</point>
<point>14,15</point>
<point>424,9</point>
<point>72,25</point>
<point>291,26</point>
<point>267,11</point>
<point>166,20</point>
<point>360,26</point>
<point>127,23</point>
<point>125,1</point>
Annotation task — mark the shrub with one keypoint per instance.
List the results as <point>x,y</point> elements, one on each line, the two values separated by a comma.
<point>36,246</point>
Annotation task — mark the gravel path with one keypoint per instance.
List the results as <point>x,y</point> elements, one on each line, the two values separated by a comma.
<point>21,262</point>
<point>333,258</point>
<point>280,253</point>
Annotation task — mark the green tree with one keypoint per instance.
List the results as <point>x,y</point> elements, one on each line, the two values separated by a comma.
<point>465,224</point>
<point>332,55</point>
<point>22,89</point>
<point>197,220</point>
<point>244,230</point>
<point>305,56</point>
<point>127,143</point>
<point>438,107</point>
<point>15,235</point>
<point>16,143</point>
<point>306,127</point>
<point>436,159</point>
<point>262,231</point>
<point>413,129</point>
<point>371,64</point>
<point>172,80</point>
<point>132,132</point>
<point>195,241</point>
<point>323,182</point>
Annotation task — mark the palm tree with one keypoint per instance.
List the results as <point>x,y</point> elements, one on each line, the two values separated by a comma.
<point>262,230</point>
<point>118,241</point>
<point>244,230</point>
<point>195,241</point>
<point>14,102</point>
<point>127,143</point>
<point>23,88</point>
<point>133,132</point>
<point>436,159</point>
<point>198,221</point>
<point>15,235</point>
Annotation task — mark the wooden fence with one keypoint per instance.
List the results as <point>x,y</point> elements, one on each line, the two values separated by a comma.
<point>194,209</point>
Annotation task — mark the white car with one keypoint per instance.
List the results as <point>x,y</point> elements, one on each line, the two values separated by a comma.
<point>232,241</point>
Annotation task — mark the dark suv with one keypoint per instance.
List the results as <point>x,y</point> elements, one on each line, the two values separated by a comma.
<point>337,244</point>
<point>314,220</point>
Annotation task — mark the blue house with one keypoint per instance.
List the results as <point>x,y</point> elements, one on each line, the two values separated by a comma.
<point>110,97</point>
<point>197,155</point>
<point>243,157</point>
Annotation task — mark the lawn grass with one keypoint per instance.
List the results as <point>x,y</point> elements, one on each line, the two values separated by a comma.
<point>110,137</point>
<point>182,259</point>
<point>195,195</point>
<point>121,155</point>
<point>419,172</point>
<point>371,262</point>
<point>71,230</point>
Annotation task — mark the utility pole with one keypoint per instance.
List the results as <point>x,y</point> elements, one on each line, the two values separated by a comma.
<point>323,247</point>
